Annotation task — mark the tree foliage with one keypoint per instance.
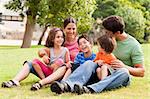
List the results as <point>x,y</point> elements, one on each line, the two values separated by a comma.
<point>54,12</point>
<point>135,13</point>
<point>135,25</point>
<point>59,10</point>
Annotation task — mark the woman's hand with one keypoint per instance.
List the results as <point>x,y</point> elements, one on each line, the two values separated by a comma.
<point>46,59</point>
<point>117,64</point>
<point>43,51</point>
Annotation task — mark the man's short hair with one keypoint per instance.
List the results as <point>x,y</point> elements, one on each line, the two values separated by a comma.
<point>114,23</point>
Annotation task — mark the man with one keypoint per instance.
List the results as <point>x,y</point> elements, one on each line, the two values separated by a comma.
<point>130,62</point>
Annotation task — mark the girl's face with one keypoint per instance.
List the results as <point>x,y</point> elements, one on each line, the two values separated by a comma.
<point>85,45</point>
<point>59,39</point>
<point>71,30</point>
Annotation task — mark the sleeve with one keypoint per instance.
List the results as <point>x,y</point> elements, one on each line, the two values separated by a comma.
<point>77,59</point>
<point>137,55</point>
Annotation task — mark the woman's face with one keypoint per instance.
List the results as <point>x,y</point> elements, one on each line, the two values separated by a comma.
<point>71,30</point>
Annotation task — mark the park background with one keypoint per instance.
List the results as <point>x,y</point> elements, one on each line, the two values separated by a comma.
<point>32,20</point>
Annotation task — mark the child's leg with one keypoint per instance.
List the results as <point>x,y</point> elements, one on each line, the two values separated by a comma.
<point>54,76</point>
<point>98,71</point>
<point>38,69</point>
<point>104,71</point>
<point>23,73</point>
<point>41,69</point>
<point>68,72</point>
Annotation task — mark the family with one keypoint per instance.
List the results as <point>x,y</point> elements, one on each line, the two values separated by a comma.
<point>69,65</point>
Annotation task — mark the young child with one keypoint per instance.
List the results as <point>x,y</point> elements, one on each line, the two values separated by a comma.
<point>84,55</point>
<point>54,56</point>
<point>104,56</point>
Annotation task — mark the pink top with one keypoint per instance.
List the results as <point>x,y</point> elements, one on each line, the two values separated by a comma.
<point>73,49</point>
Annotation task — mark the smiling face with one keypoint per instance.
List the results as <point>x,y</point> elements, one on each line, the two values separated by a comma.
<point>71,31</point>
<point>84,45</point>
<point>59,38</point>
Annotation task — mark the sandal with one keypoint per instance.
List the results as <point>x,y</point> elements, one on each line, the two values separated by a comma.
<point>36,86</point>
<point>9,84</point>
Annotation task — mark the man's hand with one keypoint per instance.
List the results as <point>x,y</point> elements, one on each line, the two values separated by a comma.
<point>117,64</point>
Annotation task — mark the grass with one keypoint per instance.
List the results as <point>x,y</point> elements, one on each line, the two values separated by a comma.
<point>11,59</point>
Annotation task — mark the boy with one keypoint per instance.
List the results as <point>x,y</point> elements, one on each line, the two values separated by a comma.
<point>84,55</point>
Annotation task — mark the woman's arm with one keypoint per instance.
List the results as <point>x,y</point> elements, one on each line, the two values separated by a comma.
<point>44,51</point>
<point>68,61</point>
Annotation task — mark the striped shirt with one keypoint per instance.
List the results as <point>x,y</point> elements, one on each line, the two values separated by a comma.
<point>81,59</point>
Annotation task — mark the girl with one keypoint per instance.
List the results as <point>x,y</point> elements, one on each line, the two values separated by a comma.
<point>70,29</point>
<point>53,56</point>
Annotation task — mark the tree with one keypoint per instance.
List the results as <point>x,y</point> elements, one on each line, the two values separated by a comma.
<point>30,7</point>
<point>105,8</point>
<point>59,10</point>
<point>53,12</point>
<point>135,25</point>
<point>128,9</point>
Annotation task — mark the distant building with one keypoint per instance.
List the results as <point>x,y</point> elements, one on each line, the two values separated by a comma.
<point>12,26</point>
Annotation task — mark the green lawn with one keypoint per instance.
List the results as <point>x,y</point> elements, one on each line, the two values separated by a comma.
<point>11,59</point>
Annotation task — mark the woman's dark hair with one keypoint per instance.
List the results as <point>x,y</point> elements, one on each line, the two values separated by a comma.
<point>51,37</point>
<point>114,24</point>
<point>85,37</point>
<point>106,43</point>
<point>69,20</point>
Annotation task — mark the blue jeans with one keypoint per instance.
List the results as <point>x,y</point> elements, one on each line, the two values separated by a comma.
<point>82,74</point>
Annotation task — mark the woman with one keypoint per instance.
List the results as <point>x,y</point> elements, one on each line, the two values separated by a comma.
<point>70,29</point>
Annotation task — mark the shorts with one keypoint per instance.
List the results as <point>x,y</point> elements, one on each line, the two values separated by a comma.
<point>46,70</point>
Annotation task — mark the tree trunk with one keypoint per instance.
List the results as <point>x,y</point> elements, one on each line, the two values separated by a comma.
<point>40,40</point>
<point>30,24</point>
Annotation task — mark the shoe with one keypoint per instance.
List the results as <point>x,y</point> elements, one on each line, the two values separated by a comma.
<point>10,84</point>
<point>36,86</point>
<point>59,88</point>
<point>81,89</point>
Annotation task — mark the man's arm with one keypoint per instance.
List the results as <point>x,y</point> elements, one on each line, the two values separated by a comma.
<point>138,69</point>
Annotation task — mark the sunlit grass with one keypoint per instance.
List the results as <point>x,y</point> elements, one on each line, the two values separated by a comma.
<point>12,57</point>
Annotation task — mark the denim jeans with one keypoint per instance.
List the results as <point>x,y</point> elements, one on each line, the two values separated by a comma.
<point>82,74</point>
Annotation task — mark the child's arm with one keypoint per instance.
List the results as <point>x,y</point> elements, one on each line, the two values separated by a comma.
<point>44,51</point>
